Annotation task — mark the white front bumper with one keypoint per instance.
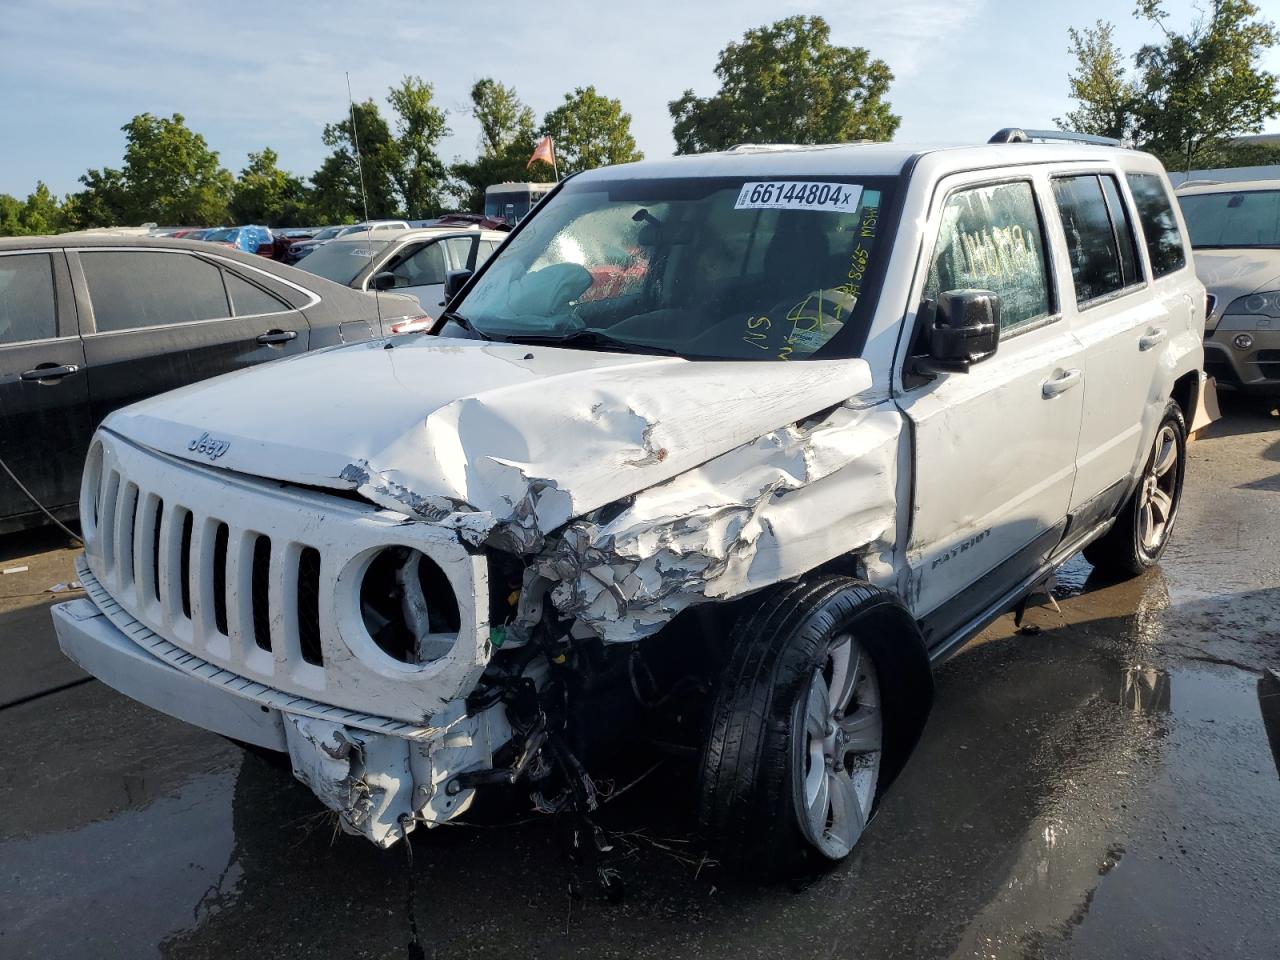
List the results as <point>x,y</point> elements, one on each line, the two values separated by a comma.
<point>380,783</point>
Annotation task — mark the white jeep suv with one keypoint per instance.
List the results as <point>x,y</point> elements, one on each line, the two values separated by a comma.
<point>725,450</point>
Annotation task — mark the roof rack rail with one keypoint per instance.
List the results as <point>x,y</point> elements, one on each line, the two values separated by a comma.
<point>1018,135</point>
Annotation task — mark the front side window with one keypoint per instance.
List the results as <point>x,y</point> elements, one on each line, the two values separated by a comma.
<point>27,305</point>
<point>460,250</point>
<point>131,289</point>
<point>728,268</point>
<point>1236,218</point>
<point>419,267</point>
<point>1159,225</point>
<point>1096,267</point>
<point>990,239</point>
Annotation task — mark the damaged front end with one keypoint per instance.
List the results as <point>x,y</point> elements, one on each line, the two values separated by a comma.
<point>461,605</point>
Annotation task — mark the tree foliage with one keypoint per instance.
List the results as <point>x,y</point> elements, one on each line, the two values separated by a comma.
<point>787,83</point>
<point>508,134</point>
<point>169,175</point>
<point>266,194</point>
<point>418,173</point>
<point>590,130</point>
<point>338,195</point>
<point>1191,93</point>
<point>39,214</point>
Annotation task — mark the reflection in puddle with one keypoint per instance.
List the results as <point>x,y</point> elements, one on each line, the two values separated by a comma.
<point>1144,690</point>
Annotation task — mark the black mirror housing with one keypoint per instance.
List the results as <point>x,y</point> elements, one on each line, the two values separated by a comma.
<point>385,280</point>
<point>965,331</point>
<point>454,281</point>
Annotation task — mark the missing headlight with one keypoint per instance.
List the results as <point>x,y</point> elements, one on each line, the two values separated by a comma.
<point>408,606</point>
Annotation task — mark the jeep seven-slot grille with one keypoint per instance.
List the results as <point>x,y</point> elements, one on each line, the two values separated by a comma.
<point>142,537</point>
<point>261,581</point>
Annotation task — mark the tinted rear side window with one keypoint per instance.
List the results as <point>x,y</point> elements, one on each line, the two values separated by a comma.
<point>134,288</point>
<point>1159,225</point>
<point>248,299</point>
<point>26,298</point>
<point>1091,242</point>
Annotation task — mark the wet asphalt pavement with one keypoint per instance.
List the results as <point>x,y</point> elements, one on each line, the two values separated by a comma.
<point>1104,787</point>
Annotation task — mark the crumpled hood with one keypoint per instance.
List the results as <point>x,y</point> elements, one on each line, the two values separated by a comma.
<point>484,437</point>
<point>1228,274</point>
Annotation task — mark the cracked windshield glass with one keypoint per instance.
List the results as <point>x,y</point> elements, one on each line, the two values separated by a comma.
<point>729,268</point>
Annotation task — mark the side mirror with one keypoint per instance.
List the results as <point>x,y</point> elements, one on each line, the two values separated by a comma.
<point>386,280</point>
<point>454,281</point>
<point>965,330</point>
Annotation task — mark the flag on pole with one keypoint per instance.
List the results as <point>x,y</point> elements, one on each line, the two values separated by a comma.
<point>546,152</point>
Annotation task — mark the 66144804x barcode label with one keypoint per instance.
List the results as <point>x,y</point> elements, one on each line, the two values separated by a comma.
<point>799,195</point>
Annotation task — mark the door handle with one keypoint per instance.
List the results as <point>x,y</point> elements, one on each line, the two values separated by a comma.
<point>1151,339</point>
<point>1061,384</point>
<point>278,336</point>
<point>49,373</point>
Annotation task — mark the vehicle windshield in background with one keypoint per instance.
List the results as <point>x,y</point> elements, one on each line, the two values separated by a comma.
<point>225,235</point>
<point>342,260</point>
<point>328,233</point>
<point>1248,218</point>
<point>729,268</point>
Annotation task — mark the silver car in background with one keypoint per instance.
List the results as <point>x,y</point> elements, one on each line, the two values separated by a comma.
<point>1235,233</point>
<point>414,262</point>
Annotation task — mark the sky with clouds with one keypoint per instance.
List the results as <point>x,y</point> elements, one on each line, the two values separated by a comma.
<point>272,72</point>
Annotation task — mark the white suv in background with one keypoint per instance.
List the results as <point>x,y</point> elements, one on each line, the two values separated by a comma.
<point>729,449</point>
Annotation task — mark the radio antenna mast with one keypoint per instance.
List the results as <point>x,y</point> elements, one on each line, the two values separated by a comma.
<point>364,197</point>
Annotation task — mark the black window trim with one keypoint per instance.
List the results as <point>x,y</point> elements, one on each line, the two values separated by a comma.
<point>1171,195</point>
<point>89,322</point>
<point>1122,292</point>
<point>58,296</point>
<point>1055,313</point>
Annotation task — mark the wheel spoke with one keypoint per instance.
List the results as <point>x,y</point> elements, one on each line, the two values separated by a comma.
<point>819,798</point>
<point>1147,523</point>
<point>1167,454</point>
<point>847,816</point>
<point>846,662</point>
<point>1162,504</point>
<point>861,730</point>
<point>817,714</point>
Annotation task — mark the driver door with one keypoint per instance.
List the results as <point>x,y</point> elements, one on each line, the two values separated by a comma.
<point>995,447</point>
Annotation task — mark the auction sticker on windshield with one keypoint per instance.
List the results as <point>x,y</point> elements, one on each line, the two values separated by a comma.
<point>799,195</point>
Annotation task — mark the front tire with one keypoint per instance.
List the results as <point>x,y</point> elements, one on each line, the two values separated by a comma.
<point>794,758</point>
<point>1142,529</point>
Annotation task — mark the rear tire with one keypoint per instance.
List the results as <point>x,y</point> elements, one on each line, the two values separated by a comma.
<point>1138,539</point>
<point>794,760</point>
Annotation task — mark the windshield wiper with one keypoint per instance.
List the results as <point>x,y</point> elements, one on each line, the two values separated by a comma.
<point>450,316</point>
<point>592,338</point>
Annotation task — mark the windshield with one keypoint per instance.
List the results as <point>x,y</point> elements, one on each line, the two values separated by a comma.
<point>328,233</point>
<point>342,260</point>
<point>1245,218</point>
<point>728,268</point>
<point>221,235</point>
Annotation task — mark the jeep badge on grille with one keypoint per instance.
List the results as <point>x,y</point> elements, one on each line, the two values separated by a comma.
<point>210,447</point>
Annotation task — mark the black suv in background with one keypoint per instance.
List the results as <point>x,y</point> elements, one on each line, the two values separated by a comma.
<point>89,323</point>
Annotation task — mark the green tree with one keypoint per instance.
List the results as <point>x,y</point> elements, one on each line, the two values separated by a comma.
<point>504,120</point>
<point>40,214</point>
<point>419,173</point>
<point>337,195</point>
<point>787,83</point>
<point>1108,98</point>
<point>590,130</point>
<point>1192,92</point>
<point>265,194</point>
<point>1206,86</point>
<point>508,134</point>
<point>169,175</point>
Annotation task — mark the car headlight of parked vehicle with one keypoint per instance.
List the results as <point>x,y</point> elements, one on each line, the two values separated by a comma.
<point>1263,304</point>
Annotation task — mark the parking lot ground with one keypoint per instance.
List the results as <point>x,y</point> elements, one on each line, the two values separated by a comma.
<point>1102,786</point>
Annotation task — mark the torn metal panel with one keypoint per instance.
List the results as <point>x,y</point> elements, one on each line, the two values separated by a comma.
<point>765,511</point>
